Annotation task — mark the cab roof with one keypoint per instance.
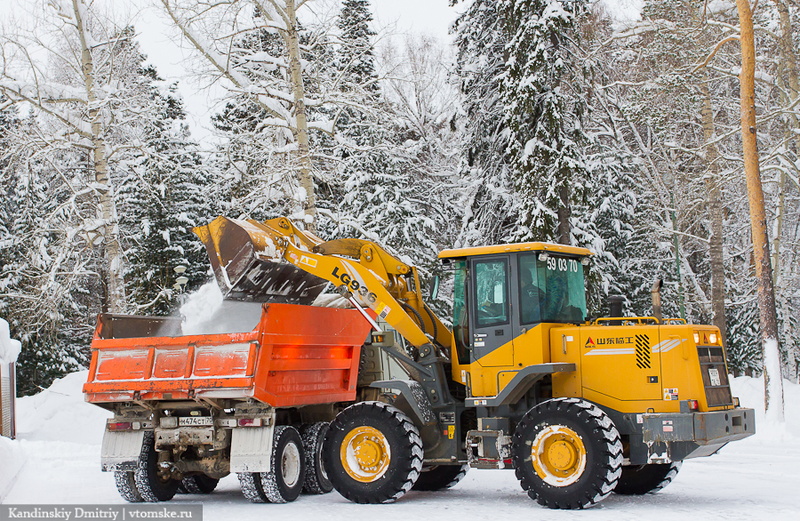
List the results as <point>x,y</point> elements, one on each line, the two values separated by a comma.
<point>514,248</point>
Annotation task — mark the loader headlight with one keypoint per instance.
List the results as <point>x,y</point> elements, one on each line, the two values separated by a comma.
<point>696,337</point>
<point>712,338</point>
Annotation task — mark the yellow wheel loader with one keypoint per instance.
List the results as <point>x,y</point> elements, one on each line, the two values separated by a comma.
<point>522,381</point>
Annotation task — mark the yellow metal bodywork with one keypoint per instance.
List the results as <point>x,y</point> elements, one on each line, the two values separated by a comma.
<point>490,374</point>
<point>513,248</point>
<point>628,368</point>
<point>637,367</point>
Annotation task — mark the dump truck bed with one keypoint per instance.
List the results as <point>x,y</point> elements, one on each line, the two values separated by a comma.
<point>297,355</point>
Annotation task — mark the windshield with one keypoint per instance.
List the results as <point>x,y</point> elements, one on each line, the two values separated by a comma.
<point>551,289</point>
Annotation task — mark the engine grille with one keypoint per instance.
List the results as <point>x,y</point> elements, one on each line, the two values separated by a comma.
<point>715,376</point>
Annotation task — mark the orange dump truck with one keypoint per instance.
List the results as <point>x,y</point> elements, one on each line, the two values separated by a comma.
<point>189,410</point>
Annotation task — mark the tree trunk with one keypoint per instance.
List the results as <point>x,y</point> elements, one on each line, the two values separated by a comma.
<point>115,288</point>
<point>714,195</point>
<point>788,80</point>
<point>773,384</point>
<point>306,179</point>
<point>564,213</point>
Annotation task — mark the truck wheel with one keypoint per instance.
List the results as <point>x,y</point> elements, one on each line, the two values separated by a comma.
<point>126,486</point>
<point>284,482</point>
<point>317,480</point>
<point>567,453</point>
<point>440,477</point>
<point>198,484</point>
<point>251,487</point>
<point>151,481</point>
<point>373,453</point>
<point>643,479</point>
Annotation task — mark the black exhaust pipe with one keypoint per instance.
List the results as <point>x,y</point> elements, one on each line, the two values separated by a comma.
<point>615,303</point>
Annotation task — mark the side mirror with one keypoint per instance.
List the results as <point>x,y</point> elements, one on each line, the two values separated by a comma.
<point>435,288</point>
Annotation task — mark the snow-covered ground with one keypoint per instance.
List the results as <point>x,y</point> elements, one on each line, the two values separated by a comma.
<point>755,479</point>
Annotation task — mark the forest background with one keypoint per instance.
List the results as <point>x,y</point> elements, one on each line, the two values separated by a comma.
<point>542,120</point>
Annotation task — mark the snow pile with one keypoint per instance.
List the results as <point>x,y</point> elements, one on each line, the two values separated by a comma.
<point>59,413</point>
<point>207,313</point>
<point>9,348</point>
<point>11,460</point>
<point>750,392</point>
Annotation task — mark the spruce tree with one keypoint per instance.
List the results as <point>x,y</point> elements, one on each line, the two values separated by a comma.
<point>487,186</point>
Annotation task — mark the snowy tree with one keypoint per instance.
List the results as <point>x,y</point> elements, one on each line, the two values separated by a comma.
<point>488,192</point>
<point>163,195</point>
<point>271,78</point>
<point>97,134</point>
<point>64,81</point>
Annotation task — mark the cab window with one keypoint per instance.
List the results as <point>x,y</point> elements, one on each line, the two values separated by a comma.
<point>551,289</point>
<point>491,292</point>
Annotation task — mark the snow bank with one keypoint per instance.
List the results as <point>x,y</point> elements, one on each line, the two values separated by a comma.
<point>750,392</point>
<point>59,413</point>
<point>9,348</point>
<point>11,460</point>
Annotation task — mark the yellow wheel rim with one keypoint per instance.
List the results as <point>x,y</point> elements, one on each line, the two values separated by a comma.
<point>365,454</point>
<point>558,455</point>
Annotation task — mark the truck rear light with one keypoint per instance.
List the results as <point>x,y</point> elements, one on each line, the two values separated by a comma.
<point>250,422</point>
<point>119,426</point>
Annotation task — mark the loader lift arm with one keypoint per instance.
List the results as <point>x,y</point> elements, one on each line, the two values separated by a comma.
<point>276,261</point>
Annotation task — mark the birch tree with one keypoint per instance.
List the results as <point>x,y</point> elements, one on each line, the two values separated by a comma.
<point>54,69</point>
<point>273,81</point>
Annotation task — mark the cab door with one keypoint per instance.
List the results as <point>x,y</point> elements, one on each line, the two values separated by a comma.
<point>491,311</point>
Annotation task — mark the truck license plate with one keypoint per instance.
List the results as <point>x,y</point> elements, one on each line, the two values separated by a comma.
<point>187,421</point>
<point>713,376</point>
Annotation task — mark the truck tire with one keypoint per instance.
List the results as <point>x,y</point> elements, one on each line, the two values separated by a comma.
<point>567,454</point>
<point>152,485</point>
<point>126,486</point>
<point>317,480</point>
<point>373,453</point>
<point>198,484</point>
<point>251,487</point>
<point>285,479</point>
<point>440,477</point>
<point>637,480</point>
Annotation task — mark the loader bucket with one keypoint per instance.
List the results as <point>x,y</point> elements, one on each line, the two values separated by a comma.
<point>247,266</point>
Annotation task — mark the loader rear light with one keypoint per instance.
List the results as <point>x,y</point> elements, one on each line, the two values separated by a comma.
<point>250,422</point>
<point>693,405</point>
<point>119,426</point>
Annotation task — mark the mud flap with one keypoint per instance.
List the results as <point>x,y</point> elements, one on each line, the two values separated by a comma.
<point>251,449</point>
<point>120,450</point>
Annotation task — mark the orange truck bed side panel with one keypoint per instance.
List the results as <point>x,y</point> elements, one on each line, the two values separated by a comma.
<point>297,355</point>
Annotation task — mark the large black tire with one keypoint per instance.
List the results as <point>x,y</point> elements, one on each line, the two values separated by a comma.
<point>126,486</point>
<point>567,454</point>
<point>251,487</point>
<point>317,480</point>
<point>637,480</point>
<point>198,484</point>
<point>285,479</point>
<point>373,453</point>
<point>440,477</point>
<point>152,484</point>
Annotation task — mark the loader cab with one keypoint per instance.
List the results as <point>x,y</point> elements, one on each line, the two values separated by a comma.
<point>505,300</point>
